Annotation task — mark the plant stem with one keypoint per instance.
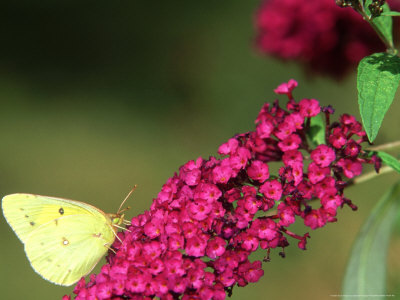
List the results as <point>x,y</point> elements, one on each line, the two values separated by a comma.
<point>373,174</point>
<point>389,44</point>
<point>386,146</point>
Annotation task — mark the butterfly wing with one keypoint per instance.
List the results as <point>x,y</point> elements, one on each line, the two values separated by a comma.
<point>26,212</point>
<point>67,248</point>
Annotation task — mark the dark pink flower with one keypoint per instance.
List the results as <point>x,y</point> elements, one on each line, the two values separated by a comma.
<point>264,229</point>
<point>196,277</point>
<point>325,187</point>
<point>247,241</point>
<point>297,172</point>
<point>190,172</point>
<point>174,267</point>
<point>227,277</point>
<point>286,88</point>
<point>338,138</point>
<point>232,195</point>
<point>292,142</point>
<point>352,148</point>
<point>207,191</point>
<point>292,157</point>
<point>303,241</point>
<point>239,159</point>
<point>251,271</point>
<point>228,147</point>
<point>350,167</point>
<point>316,173</point>
<point>222,174</point>
<point>176,241</point>
<point>323,155</point>
<point>295,119</point>
<point>264,129</point>
<point>215,247</point>
<point>162,286</point>
<point>252,204</point>
<point>258,171</point>
<point>199,210</point>
<point>309,107</point>
<point>153,229</point>
<point>196,246</point>
<point>152,250</point>
<point>178,284</point>
<point>314,219</point>
<point>272,189</point>
<point>286,215</point>
<point>320,35</point>
<point>104,290</point>
<point>331,201</point>
<point>284,130</point>
<point>136,284</point>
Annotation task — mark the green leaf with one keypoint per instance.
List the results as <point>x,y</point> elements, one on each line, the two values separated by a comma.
<point>389,160</point>
<point>366,269</point>
<point>377,81</point>
<point>383,23</point>
<point>391,14</point>
<point>316,133</point>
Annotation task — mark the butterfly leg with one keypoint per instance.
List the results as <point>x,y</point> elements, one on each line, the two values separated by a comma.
<point>126,222</point>
<point>109,248</point>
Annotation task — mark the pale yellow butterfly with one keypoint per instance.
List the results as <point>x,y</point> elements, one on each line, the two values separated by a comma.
<point>63,239</point>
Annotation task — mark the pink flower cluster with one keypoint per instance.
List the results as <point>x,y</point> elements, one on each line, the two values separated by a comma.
<point>326,38</point>
<point>196,239</point>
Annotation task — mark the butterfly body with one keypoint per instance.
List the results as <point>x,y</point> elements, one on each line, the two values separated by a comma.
<point>63,239</point>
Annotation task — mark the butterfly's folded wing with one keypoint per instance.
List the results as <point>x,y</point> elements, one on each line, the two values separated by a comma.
<point>65,249</point>
<point>26,212</point>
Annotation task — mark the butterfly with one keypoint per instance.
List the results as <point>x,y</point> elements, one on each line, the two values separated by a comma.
<point>63,239</point>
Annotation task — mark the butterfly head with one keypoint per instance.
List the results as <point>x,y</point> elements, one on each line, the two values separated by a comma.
<point>118,218</point>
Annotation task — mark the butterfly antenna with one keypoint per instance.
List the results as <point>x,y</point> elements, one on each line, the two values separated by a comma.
<point>126,198</point>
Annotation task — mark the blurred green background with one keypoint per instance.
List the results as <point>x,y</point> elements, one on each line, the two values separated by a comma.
<point>97,96</point>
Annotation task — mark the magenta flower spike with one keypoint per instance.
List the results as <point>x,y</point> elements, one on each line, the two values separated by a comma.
<point>196,239</point>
